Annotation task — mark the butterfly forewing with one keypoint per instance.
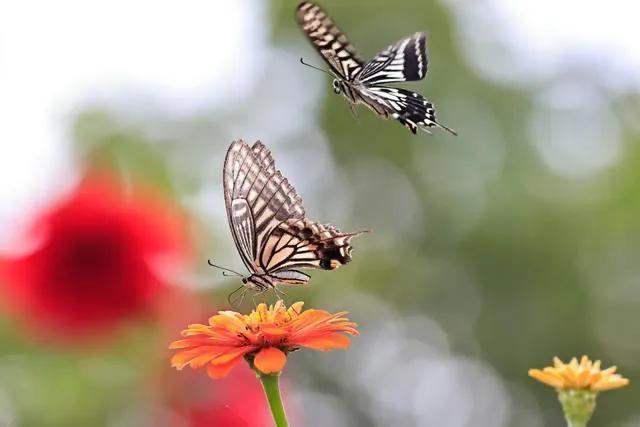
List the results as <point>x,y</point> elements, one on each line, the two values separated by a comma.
<point>268,223</point>
<point>328,40</point>
<point>257,198</point>
<point>400,62</point>
<point>238,167</point>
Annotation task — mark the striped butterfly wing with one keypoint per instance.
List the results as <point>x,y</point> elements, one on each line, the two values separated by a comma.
<point>257,197</point>
<point>411,109</point>
<point>404,61</point>
<point>302,243</point>
<point>268,223</point>
<point>329,41</point>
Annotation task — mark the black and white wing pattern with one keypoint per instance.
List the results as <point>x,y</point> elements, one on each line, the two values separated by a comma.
<point>268,223</point>
<point>362,83</point>
<point>400,62</point>
<point>411,109</point>
<point>328,40</point>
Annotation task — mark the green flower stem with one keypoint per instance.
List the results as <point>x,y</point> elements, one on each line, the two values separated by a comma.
<point>272,391</point>
<point>578,406</point>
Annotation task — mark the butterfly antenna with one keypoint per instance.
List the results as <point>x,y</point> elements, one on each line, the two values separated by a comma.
<point>317,68</point>
<point>451,131</point>
<point>224,269</point>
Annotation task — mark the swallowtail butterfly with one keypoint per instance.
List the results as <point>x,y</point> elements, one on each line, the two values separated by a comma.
<point>268,224</point>
<point>363,82</point>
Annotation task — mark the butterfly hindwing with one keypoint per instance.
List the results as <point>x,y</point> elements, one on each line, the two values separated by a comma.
<point>304,243</point>
<point>404,61</point>
<point>411,109</point>
<point>328,40</point>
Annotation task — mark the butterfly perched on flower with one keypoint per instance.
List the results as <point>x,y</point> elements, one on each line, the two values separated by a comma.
<point>363,82</point>
<point>268,224</point>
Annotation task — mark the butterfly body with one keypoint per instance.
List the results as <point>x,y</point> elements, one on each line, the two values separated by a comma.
<point>268,223</point>
<point>363,82</point>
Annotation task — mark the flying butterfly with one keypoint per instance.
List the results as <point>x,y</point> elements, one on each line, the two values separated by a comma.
<point>273,236</point>
<point>363,82</point>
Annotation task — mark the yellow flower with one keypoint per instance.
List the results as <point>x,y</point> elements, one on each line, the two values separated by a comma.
<point>585,375</point>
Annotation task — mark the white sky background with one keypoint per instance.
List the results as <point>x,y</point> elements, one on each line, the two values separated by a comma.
<point>132,55</point>
<point>532,40</point>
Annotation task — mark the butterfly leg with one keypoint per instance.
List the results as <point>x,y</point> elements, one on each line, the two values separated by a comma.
<point>279,293</point>
<point>230,296</point>
<point>259,292</point>
<point>352,107</point>
<point>240,298</point>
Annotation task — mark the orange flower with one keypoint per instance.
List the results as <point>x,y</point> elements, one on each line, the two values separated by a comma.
<point>585,375</point>
<point>264,337</point>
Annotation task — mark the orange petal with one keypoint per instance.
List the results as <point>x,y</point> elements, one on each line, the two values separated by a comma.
<point>194,342</point>
<point>230,354</point>
<point>610,383</point>
<point>228,320</point>
<point>270,360</point>
<point>222,356</point>
<point>221,371</point>
<point>273,332</point>
<point>324,342</point>
<point>546,378</point>
<point>183,358</point>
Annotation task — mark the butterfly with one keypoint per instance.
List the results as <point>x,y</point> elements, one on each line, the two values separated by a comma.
<point>363,82</point>
<point>272,234</point>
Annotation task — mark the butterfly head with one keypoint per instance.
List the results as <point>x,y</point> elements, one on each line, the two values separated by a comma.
<point>258,282</point>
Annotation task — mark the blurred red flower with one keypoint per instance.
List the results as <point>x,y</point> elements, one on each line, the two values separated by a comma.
<point>95,261</point>
<point>235,401</point>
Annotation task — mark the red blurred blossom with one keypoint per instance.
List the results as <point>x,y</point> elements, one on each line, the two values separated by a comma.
<point>95,261</point>
<point>235,401</point>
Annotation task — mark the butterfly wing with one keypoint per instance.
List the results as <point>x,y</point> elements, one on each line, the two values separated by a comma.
<point>268,221</point>
<point>257,198</point>
<point>302,243</point>
<point>328,40</point>
<point>411,109</point>
<point>404,61</point>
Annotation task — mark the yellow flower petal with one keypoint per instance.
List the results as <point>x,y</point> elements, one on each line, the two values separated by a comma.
<point>583,375</point>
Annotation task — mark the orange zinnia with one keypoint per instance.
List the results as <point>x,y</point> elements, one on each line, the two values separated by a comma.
<point>264,337</point>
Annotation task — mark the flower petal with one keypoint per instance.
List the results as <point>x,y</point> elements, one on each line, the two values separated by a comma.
<point>270,360</point>
<point>273,332</point>
<point>609,383</point>
<point>230,354</point>
<point>221,371</point>
<point>325,342</point>
<point>184,357</point>
<point>546,378</point>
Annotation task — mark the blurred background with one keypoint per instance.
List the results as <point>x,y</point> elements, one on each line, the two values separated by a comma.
<point>490,252</point>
